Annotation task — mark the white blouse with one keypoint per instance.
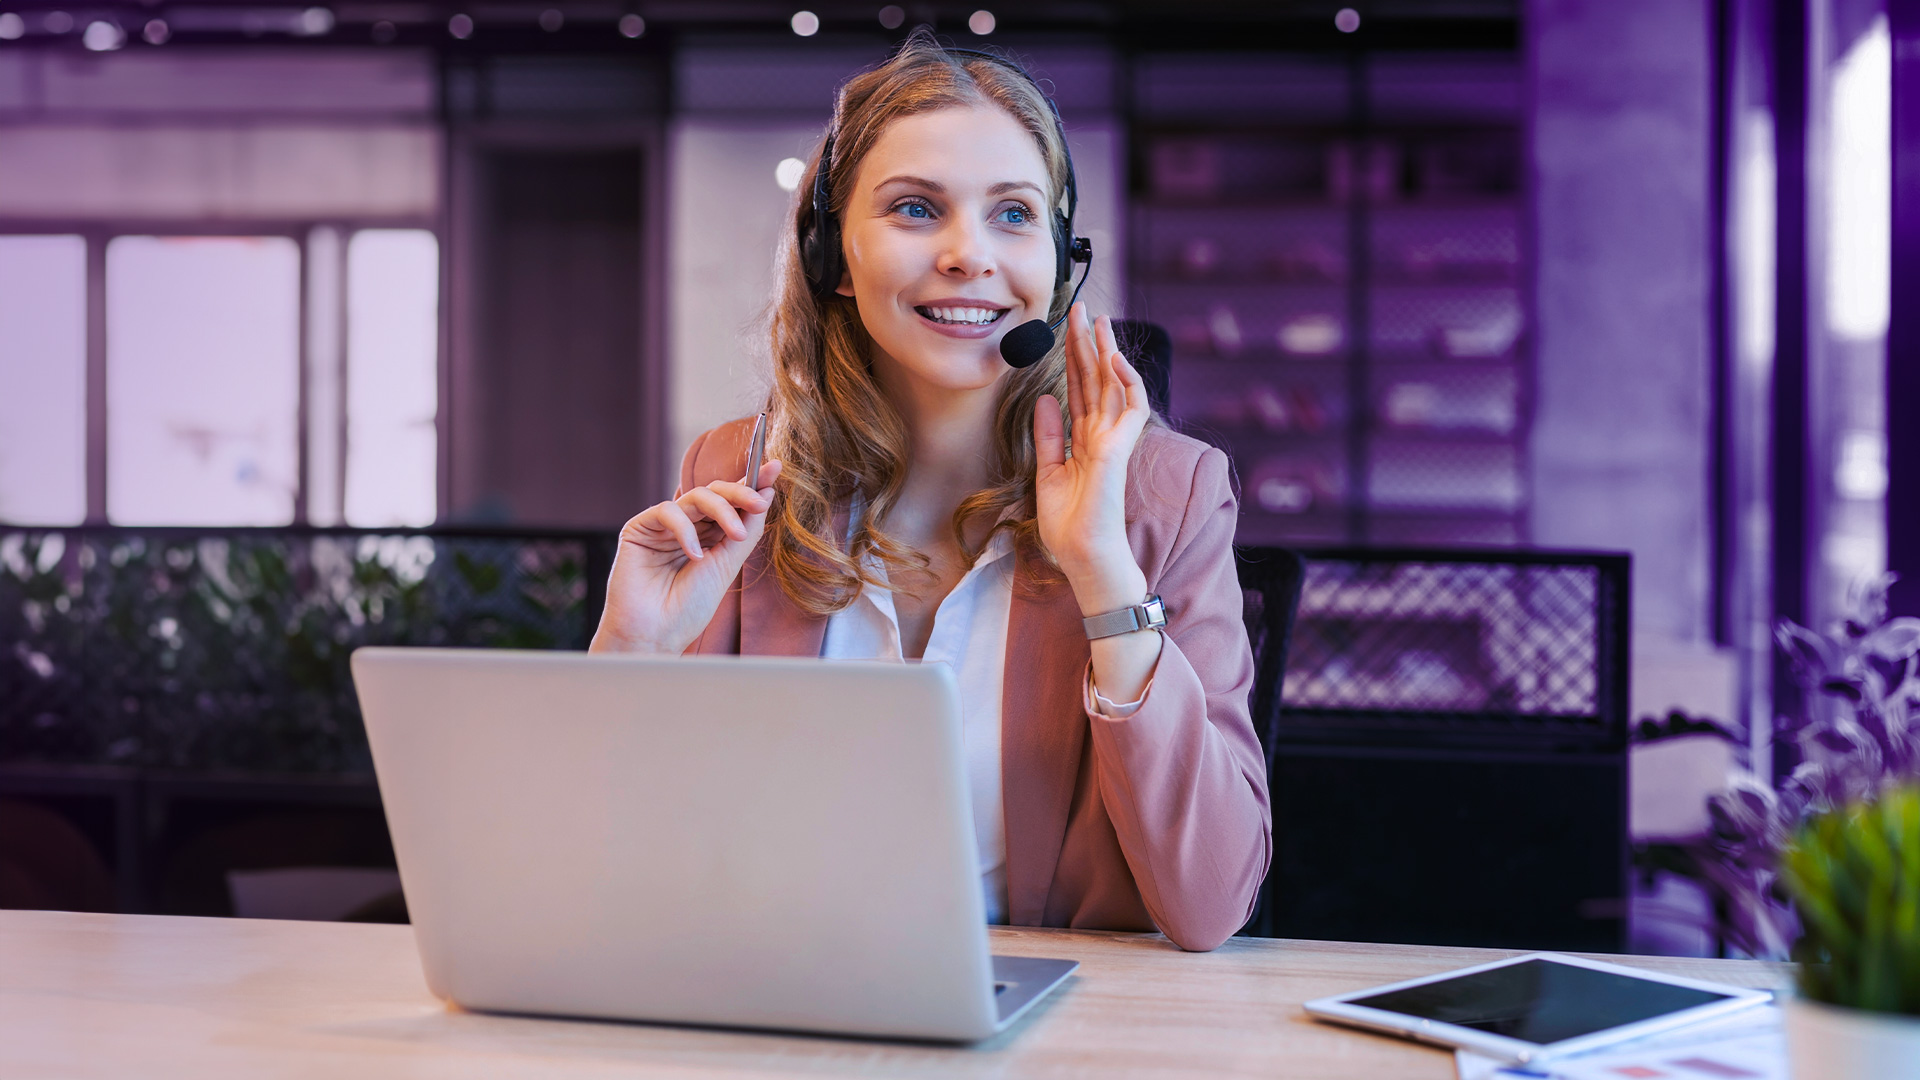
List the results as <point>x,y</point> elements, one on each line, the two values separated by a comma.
<point>970,635</point>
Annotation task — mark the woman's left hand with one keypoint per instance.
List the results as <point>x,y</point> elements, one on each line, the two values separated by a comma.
<point>1080,500</point>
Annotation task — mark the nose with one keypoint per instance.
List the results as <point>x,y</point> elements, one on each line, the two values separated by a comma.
<point>965,249</point>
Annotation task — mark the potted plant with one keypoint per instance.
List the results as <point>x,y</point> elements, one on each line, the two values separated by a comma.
<point>1854,876</point>
<point>1856,732</point>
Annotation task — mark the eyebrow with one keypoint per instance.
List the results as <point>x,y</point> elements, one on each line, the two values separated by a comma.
<point>936,187</point>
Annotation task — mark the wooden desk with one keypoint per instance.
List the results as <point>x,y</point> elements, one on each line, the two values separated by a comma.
<point>149,996</point>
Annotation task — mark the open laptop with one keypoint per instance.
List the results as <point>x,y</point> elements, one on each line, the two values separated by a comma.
<point>746,842</point>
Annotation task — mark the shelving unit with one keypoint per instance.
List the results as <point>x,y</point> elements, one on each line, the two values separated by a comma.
<point>1335,245</point>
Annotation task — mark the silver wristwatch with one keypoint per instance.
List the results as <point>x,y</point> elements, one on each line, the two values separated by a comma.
<point>1149,614</point>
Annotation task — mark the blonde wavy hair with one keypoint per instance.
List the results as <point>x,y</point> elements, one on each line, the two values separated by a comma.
<point>841,440</point>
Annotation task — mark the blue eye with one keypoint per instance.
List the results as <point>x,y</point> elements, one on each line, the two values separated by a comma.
<point>1017,214</point>
<point>918,211</point>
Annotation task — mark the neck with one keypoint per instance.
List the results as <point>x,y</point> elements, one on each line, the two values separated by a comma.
<point>950,435</point>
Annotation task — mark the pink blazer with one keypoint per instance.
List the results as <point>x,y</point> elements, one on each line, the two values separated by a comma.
<point>1158,821</point>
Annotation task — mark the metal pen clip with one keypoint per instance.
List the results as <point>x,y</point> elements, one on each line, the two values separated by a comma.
<point>756,455</point>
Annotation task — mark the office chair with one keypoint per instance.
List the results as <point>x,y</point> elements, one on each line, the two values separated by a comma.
<point>1270,579</point>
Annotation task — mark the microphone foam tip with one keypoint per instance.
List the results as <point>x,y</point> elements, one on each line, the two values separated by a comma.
<point>1025,344</point>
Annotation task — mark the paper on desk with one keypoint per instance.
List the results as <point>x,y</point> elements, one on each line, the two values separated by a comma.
<point>1748,1045</point>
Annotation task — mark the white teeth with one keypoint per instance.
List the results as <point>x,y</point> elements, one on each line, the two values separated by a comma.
<point>965,315</point>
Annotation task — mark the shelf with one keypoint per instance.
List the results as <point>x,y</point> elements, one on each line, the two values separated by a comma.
<point>1333,435</point>
<point>1481,202</point>
<point>1263,355</point>
<point>1430,436</point>
<point>1490,279</point>
<point>1151,278</point>
<point>1427,361</point>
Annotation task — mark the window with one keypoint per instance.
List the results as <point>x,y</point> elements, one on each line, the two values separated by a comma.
<point>393,296</point>
<point>289,377</point>
<point>43,368</point>
<point>203,369</point>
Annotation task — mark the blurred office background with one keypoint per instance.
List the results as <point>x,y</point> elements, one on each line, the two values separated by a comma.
<point>1491,275</point>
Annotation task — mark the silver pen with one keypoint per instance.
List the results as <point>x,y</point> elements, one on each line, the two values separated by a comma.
<point>757,454</point>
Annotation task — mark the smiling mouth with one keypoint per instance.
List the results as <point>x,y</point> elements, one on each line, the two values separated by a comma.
<point>962,316</point>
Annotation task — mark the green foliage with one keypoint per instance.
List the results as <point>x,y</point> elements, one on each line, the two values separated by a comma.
<point>1854,874</point>
<point>228,650</point>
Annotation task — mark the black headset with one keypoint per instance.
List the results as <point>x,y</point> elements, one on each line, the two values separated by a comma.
<point>823,260</point>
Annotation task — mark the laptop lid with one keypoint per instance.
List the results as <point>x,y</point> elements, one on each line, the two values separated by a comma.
<point>753,842</point>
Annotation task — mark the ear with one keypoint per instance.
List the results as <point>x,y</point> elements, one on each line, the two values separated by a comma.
<point>845,288</point>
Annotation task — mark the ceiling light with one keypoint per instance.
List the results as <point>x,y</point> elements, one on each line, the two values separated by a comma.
<point>806,23</point>
<point>551,20</point>
<point>56,22</point>
<point>384,32</point>
<point>102,36</point>
<point>461,26</point>
<point>892,16</point>
<point>12,27</point>
<point>156,32</point>
<point>632,25</point>
<point>316,21</point>
<point>1346,20</point>
<point>981,22</point>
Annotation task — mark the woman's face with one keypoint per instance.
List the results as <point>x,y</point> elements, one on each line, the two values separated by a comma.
<point>948,244</point>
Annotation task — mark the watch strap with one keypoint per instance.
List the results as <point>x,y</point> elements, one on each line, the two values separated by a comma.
<point>1149,614</point>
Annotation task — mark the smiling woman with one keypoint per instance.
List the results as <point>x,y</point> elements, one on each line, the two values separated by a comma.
<point>922,504</point>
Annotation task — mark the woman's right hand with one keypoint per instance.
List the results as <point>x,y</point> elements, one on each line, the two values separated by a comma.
<point>675,562</point>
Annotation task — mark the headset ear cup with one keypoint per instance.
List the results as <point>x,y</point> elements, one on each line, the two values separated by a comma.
<point>810,255</point>
<point>830,260</point>
<point>820,237</point>
<point>820,257</point>
<point>1062,249</point>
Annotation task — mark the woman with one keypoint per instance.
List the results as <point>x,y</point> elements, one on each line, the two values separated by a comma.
<point>922,503</point>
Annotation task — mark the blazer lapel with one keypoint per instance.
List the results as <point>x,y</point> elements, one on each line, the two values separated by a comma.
<point>1043,729</point>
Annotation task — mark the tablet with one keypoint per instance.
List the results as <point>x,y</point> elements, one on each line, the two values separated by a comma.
<point>1538,1006</point>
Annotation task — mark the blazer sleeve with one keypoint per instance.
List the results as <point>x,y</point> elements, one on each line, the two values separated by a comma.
<point>687,463</point>
<point>1183,778</point>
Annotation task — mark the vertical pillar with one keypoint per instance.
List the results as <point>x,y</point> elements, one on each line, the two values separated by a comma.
<point>1792,505</point>
<point>1621,126</point>
<point>1903,330</point>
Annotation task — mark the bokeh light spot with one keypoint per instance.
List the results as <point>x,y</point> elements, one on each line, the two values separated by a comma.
<point>787,174</point>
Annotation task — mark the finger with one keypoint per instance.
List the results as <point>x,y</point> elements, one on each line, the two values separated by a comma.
<point>717,509</point>
<point>769,472</point>
<point>1087,357</point>
<point>1075,398</point>
<point>738,495</point>
<point>1136,386</point>
<point>1113,389</point>
<point>664,520</point>
<point>1049,434</point>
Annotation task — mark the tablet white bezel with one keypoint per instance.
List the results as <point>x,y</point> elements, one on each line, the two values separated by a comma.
<point>1340,1008</point>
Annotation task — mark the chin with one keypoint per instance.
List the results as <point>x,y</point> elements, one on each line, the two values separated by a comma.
<point>974,367</point>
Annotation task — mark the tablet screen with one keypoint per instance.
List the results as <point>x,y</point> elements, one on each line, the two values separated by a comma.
<point>1539,1001</point>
